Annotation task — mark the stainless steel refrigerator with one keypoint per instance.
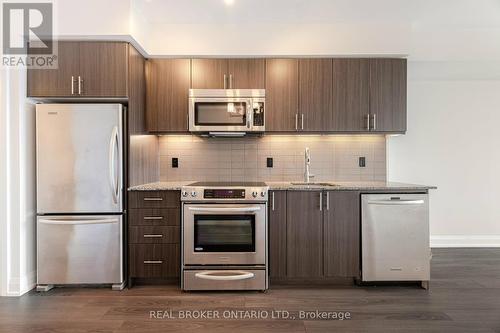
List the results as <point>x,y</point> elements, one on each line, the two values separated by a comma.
<point>79,150</point>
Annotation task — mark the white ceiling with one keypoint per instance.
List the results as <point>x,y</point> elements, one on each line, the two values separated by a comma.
<point>428,30</point>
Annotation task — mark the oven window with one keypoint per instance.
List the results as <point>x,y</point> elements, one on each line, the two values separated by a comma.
<point>220,113</point>
<point>224,233</point>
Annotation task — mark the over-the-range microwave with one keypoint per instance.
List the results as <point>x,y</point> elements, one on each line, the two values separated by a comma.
<point>226,112</point>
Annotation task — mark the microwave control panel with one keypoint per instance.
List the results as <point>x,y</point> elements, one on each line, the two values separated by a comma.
<point>258,113</point>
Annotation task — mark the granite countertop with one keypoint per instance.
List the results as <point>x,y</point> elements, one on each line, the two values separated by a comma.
<point>327,185</point>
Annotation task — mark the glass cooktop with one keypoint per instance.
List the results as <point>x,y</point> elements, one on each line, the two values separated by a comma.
<point>229,184</point>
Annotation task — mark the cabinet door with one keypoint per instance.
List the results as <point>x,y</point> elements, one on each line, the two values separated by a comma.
<point>388,95</point>
<point>350,106</point>
<point>282,94</point>
<point>315,94</point>
<point>246,73</point>
<point>56,82</point>
<point>103,69</point>
<point>277,234</point>
<point>341,234</point>
<point>208,73</point>
<point>167,89</point>
<point>304,234</point>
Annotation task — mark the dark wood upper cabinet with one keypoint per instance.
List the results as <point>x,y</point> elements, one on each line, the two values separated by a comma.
<point>167,89</point>
<point>282,94</point>
<point>246,73</point>
<point>277,234</point>
<point>209,73</point>
<point>341,234</point>
<point>304,234</point>
<point>103,69</point>
<point>85,69</point>
<point>315,94</point>
<point>57,82</point>
<point>228,73</point>
<point>350,84</point>
<point>136,92</point>
<point>388,95</point>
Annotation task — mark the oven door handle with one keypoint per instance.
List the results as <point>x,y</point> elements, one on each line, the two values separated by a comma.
<point>226,209</point>
<point>212,275</point>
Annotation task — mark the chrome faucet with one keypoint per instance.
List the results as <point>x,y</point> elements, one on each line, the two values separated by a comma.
<point>307,162</point>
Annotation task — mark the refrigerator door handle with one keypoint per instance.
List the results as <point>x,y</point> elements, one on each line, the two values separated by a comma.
<point>113,178</point>
<point>79,221</point>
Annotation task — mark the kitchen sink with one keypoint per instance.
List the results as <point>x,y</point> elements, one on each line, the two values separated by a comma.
<point>314,184</point>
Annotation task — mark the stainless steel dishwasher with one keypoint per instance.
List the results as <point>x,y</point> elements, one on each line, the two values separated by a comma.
<point>395,237</point>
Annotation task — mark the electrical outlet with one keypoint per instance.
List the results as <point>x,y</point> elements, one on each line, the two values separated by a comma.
<point>362,162</point>
<point>175,162</point>
<point>269,162</point>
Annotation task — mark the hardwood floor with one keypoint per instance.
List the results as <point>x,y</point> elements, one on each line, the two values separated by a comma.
<point>464,297</point>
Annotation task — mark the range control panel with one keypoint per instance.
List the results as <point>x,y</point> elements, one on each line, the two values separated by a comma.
<point>224,194</point>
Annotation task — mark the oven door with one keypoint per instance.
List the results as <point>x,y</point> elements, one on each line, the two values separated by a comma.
<point>224,234</point>
<point>228,114</point>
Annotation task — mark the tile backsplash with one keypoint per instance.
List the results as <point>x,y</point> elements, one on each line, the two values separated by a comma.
<point>333,157</point>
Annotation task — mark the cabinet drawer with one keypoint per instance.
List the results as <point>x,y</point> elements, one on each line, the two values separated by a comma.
<point>154,216</point>
<point>154,199</point>
<point>154,234</point>
<point>154,260</point>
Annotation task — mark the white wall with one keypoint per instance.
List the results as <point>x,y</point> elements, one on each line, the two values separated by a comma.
<point>17,181</point>
<point>453,142</point>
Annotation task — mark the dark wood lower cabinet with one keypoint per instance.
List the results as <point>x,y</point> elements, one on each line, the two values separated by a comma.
<point>341,236</point>
<point>304,234</point>
<point>314,235</point>
<point>277,235</point>
<point>154,260</point>
<point>154,235</point>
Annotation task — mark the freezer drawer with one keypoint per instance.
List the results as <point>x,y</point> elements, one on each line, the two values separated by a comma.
<point>395,237</point>
<point>79,249</point>
<point>79,153</point>
<point>230,279</point>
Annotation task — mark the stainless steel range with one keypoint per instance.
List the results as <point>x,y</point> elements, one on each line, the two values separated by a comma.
<point>224,234</point>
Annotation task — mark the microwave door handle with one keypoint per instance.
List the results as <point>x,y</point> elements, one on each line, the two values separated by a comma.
<point>249,114</point>
<point>224,210</point>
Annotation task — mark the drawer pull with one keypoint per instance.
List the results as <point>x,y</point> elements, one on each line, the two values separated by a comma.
<point>153,261</point>
<point>153,199</point>
<point>153,217</point>
<point>153,236</point>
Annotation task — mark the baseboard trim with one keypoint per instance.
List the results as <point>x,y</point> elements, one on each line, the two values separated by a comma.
<point>20,286</point>
<point>465,241</point>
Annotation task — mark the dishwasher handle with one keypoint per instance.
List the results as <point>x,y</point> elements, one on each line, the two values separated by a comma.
<point>396,202</point>
<point>75,222</point>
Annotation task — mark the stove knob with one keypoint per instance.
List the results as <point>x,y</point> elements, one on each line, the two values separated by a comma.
<point>193,194</point>
<point>184,193</point>
<point>254,194</point>
<point>263,194</point>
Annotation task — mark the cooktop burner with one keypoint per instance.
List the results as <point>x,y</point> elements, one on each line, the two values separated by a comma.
<point>229,184</point>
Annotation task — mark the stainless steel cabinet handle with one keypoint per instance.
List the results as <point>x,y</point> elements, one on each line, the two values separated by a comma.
<point>72,85</point>
<point>302,120</point>
<point>153,236</point>
<point>230,81</point>
<point>153,217</point>
<point>153,199</point>
<point>225,79</point>
<point>374,122</point>
<point>272,202</point>
<point>296,121</point>
<point>320,201</point>
<point>153,261</point>
<point>368,122</point>
<point>80,83</point>
<point>327,200</point>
